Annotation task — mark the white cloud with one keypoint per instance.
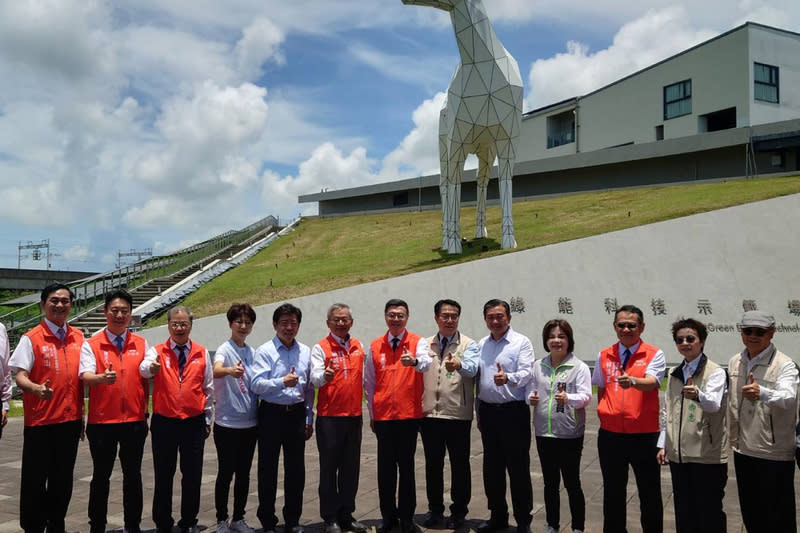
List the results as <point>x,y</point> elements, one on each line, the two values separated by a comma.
<point>418,153</point>
<point>78,252</point>
<point>260,43</point>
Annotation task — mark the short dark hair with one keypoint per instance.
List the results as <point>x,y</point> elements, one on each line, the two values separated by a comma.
<point>438,306</point>
<point>630,309</point>
<point>53,287</point>
<point>287,309</point>
<point>396,302</point>
<point>121,294</point>
<point>699,327</point>
<point>237,311</point>
<point>494,302</point>
<point>564,326</point>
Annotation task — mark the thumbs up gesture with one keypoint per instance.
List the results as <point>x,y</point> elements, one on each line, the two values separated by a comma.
<point>690,392</point>
<point>751,390</point>
<point>237,370</point>
<point>561,396</point>
<point>290,379</point>
<point>451,364</point>
<point>155,367</point>
<point>109,376</point>
<point>407,359</point>
<point>500,378</point>
<point>329,372</point>
<point>534,398</point>
<point>44,391</point>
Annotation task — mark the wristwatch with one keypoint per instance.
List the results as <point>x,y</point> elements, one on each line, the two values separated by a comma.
<point>633,382</point>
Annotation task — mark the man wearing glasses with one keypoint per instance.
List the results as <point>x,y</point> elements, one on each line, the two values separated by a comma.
<point>281,379</point>
<point>46,361</point>
<point>393,383</point>
<point>762,413</point>
<point>628,375</point>
<point>183,408</point>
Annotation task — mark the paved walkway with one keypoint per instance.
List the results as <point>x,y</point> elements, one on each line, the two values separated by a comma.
<point>367,502</point>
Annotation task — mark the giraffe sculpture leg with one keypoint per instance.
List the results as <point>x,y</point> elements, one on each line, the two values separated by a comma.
<point>485,160</point>
<point>452,220</point>
<point>505,171</point>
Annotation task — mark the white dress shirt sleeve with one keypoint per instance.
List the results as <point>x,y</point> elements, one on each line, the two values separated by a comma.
<point>583,388</point>
<point>657,366</point>
<point>423,355</point>
<point>208,389</point>
<point>369,380</point>
<point>318,366</point>
<point>88,360</point>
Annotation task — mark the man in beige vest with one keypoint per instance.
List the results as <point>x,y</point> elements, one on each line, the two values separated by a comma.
<point>694,433</point>
<point>762,414</point>
<point>448,404</point>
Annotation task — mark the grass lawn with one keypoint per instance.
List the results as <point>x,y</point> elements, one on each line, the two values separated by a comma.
<point>330,253</point>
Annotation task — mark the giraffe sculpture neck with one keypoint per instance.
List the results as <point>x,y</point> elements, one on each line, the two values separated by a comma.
<point>474,33</point>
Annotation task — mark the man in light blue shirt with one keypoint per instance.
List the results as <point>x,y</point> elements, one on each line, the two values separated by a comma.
<point>505,367</point>
<point>281,379</point>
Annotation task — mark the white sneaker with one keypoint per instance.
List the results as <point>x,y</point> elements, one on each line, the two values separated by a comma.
<point>240,526</point>
<point>222,527</point>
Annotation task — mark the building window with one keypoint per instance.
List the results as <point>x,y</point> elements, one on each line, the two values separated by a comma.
<point>400,199</point>
<point>766,82</point>
<point>561,129</point>
<point>678,99</point>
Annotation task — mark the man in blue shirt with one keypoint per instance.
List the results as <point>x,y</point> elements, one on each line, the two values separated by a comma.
<point>281,379</point>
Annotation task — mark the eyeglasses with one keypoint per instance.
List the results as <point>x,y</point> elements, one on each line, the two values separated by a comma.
<point>688,338</point>
<point>627,325</point>
<point>758,332</point>
<point>179,325</point>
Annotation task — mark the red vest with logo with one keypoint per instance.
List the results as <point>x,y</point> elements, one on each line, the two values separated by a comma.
<point>398,388</point>
<point>59,363</point>
<point>125,400</point>
<point>627,410</point>
<point>344,394</point>
<point>174,397</point>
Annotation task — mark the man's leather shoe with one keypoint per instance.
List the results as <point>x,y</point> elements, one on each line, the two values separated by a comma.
<point>295,529</point>
<point>332,527</point>
<point>386,526</point>
<point>455,522</point>
<point>489,526</point>
<point>524,529</point>
<point>353,525</point>
<point>408,526</point>
<point>432,519</point>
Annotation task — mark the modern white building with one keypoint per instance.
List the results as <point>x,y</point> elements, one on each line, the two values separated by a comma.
<point>728,107</point>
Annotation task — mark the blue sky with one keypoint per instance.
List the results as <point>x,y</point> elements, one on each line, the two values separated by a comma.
<point>156,124</point>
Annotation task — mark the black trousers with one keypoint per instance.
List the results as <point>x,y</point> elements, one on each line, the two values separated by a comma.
<point>397,444</point>
<point>697,491</point>
<point>170,437</point>
<point>766,494</point>
<point>235,450</point>
<point>339,444</point>
<point>281,427</point>
<point>616,451</point>
<point>440,435</point>
<point>506,436</point>
<point>48,461</point>
<point>561,458</point>
<point>104,441</point>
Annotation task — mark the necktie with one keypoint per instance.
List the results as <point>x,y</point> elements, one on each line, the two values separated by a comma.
<point>443,346</point>
<point>120,343</point>
<point>395,342</point>
<point>181,358</point>
<point>625,355</point>
<point>62,334</point>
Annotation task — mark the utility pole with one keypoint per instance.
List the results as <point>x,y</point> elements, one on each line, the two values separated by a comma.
<point>138,254</point>
<point>36,254</point>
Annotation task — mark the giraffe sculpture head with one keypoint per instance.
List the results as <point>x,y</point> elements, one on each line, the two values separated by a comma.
<point>446,5</point>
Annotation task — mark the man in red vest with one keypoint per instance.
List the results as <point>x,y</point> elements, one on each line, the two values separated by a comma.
<point>337,364</point>
<point>117,408</point>
<point>393,383</point>
<point>183,408</point>
<point>46,361</point>
<point>628,375</point>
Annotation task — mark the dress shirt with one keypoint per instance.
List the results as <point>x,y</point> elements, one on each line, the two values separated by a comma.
<point>422,353</point>
<point>469,359</point>
<point>657,366</point>
<point>5,354</point>
<point>236,405</point>
<point>208,376</point>
<point>710,399</point>
<point>271,362</point>
<point>22,358</point>
<point>88,359</point>
<point>318,360</point>
<point>514,352</point>
<point>785,384</point>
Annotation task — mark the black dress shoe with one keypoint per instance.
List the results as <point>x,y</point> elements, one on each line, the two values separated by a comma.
<point>524,529</point>
<point>332,527</point>
<point>408,526</point>
<point>294,529</point>
<point>432,519</point>
<point>386,526</point>
<point>489,526</point>
<point>353,525</point>
<point>455,522</point>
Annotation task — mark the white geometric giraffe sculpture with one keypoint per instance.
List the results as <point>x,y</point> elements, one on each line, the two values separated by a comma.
<point>481,116</point>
